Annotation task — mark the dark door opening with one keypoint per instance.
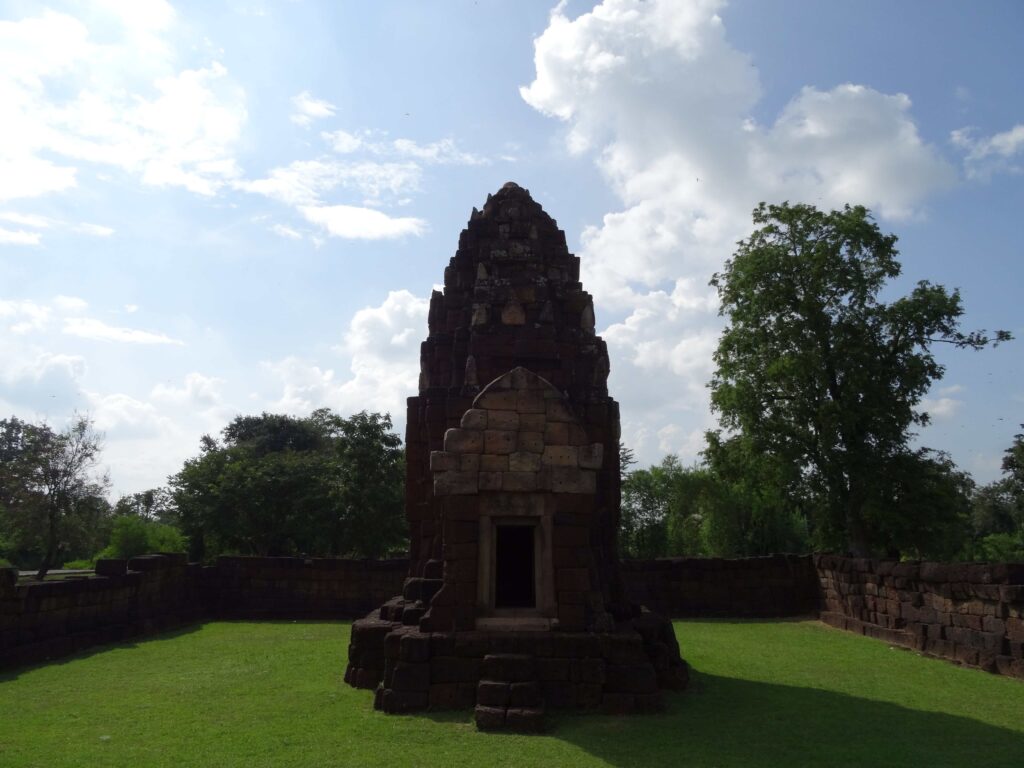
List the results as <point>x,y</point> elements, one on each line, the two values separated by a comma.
<point>513,567</point>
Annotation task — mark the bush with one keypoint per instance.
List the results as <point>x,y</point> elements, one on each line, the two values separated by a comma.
<point>1000,548</point>
<point>79,565</point>
<point>133,535</point>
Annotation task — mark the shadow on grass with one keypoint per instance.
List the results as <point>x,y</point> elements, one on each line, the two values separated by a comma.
<point>12,673</point>
<point>724,721</point>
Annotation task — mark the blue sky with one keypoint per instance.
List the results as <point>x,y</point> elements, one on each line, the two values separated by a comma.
<point>213,209</point>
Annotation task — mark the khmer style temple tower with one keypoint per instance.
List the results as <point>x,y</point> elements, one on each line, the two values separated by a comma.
<point>514,600</point>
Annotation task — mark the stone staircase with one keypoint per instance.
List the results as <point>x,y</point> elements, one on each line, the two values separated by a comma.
<point>508,696</point>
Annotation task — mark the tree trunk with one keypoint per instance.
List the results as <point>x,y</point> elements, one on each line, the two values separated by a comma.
<point>856,536</point>
<point>51,545</point>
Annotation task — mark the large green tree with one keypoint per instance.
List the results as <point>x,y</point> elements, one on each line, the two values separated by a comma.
<point>280,485</point>
<point>997,511</point>
<point>815,369</point>
<point>52,494</point>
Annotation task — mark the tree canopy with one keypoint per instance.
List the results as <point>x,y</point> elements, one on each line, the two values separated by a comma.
<point>280,485</point>
<point>815,369</point>
<point>52,494</point>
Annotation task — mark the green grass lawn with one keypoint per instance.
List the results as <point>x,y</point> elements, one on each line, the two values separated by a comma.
<point>271,694</point>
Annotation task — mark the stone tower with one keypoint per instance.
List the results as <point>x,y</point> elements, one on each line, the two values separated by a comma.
<point>512,494</point>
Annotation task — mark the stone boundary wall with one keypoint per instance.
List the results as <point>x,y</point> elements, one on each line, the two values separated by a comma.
<point>127,599</point>
<point>972,613</point>
<point>684,587</point>
<point>298,588</point>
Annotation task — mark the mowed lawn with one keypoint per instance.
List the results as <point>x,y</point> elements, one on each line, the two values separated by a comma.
<point>270,694</point>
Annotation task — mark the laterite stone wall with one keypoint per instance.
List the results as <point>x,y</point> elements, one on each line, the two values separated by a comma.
<point>972,613</point>
<point>776,585</point>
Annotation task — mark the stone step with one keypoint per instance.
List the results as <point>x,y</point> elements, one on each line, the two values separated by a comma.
<point>509,696</point>
<point>509,667</point>
<point>496,693</point>
<point>518,719</point>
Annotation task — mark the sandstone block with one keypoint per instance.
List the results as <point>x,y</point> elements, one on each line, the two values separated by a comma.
<point>523,462</point>
<point>499,441</point>
<point>411,677</point>
<point>513,314</point>
<point>445,696</point>
<point>396,702</point>
<point>455,483</point>
<point>442,461</point>
<point>519,481</point>
<point>532,442</point>
<point>591,456</point>
<point>489,718</point>
<point>587,671</point>
<point>569,480</point>
<point>526,694</point>
<point>490,693</point>
<point>498,400</point>
<point>474,418</point>
<point>531,401</point>
<point>556,433</point>
<point>480,315</point>
<point>532,422</point>
<point>490,481</point>
<point>560,456</point>
<point>463,440</point>
<point>553,669</point>
<point>414,647</point>
<point>587,319</point>
<point>556,410</point>
<point>493,463</point>
<point>469,462</point>
<point>578,435</point>
<point>634,678</point>
<point>503,420</point>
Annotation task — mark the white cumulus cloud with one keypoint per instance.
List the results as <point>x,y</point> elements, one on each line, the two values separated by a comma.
<point>1001,152</point>
<point>355,223</point>
<point>308,108</point>
<point>97,330</point>
<point>655,92</point>
<point>103,87</point>
<point>381,344</point>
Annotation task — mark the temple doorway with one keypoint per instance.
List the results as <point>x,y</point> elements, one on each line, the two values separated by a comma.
<point>514,571</point>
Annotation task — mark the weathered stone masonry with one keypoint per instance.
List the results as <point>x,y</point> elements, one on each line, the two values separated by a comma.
<point>512,497</point>
<point>970,613</point>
